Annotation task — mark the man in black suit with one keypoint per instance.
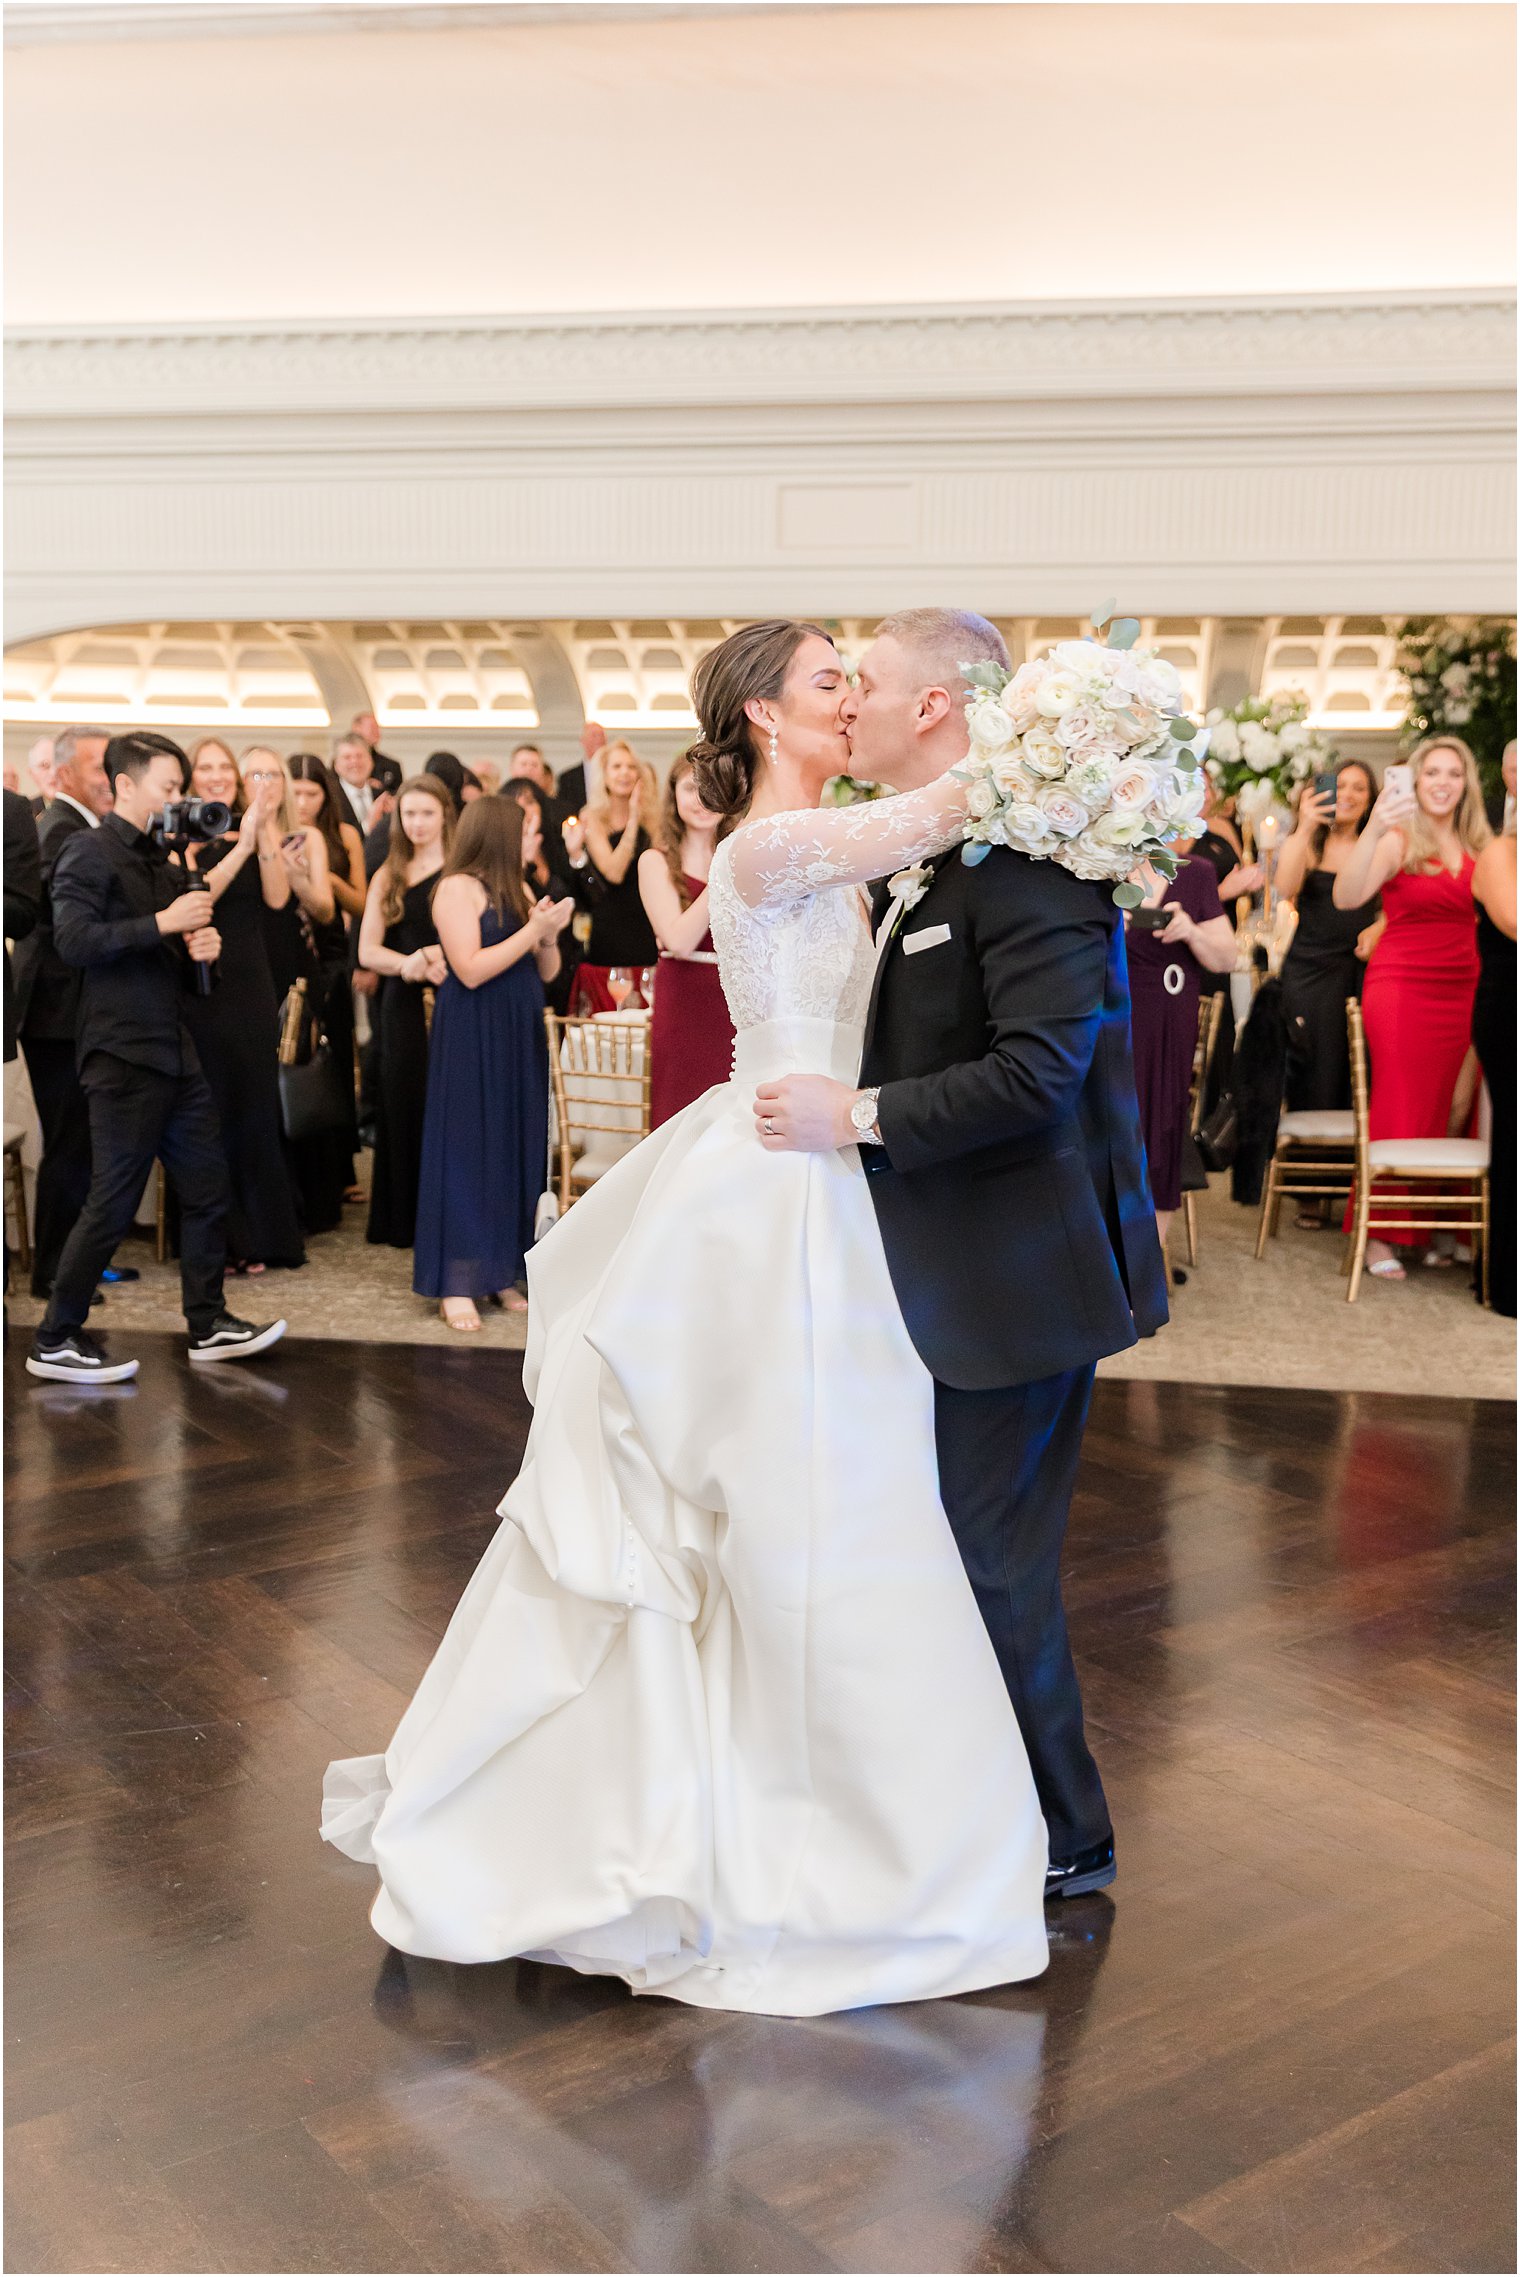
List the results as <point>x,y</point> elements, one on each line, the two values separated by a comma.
<point>365,795</point>
<point>23,897</point>
<point>138,931</point>
<point>386,771</point>
<point>47,994</point>
<point>997,1122</point>
<point>573,787</point>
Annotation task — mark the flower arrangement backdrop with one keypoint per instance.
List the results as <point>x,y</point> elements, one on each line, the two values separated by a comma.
<point>1461,674</point>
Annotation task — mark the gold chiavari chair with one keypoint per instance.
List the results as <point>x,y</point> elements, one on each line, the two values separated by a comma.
<point>599,1074</point>
<point>1450,1176</point>
<point>1210,1021</point>
<point>1315,1155</point>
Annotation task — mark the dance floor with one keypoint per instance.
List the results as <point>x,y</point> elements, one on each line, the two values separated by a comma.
<point>1281,2042</point>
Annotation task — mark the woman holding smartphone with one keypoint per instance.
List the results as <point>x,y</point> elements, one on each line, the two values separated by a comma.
<point>1422,839</point>
<point>1178,934</point>
<point>1330,946</point>
<point>236,1026</point>
<point>398,940</point>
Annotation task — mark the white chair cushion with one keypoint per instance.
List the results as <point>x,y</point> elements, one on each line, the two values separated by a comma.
<point>1429,1154</point>
<point>1328,1126</point>
<point>588,1167</point>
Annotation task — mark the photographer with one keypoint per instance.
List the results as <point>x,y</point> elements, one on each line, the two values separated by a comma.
<point>122,914</point>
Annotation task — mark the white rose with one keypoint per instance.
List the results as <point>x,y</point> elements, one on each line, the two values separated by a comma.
<point>1078,656</point>
<point>1026,826</point>
<point>1293,737</point>
<point>1087,857</point>
<point>1254,800</point>
<point>1258,747</point>
<point>1092,775</point>
<point>1012,779</point>
<point>1225,742</point>
<point>982,798</point>
<point>1163,685</point>
<point>1057,694</point>
<point>1044,753</point>
<point>989,724</point>
<point>1082,729</point>
<point>1065,814</point>
<point>1121,826</point>
<point>1134,786</point>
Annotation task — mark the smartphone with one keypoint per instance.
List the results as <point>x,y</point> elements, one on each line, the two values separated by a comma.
<point>1323,786</point>
<point>1151,920</point>
<point>1398,776</point>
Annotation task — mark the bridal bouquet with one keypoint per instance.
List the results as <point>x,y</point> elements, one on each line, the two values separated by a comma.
<point>1083,757</point>
<point>1261,751</point>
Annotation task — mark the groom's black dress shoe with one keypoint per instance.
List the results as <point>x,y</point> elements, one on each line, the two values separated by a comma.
<point>1090,1870</point>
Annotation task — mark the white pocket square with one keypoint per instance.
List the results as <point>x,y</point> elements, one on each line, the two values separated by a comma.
<point>929,938</point>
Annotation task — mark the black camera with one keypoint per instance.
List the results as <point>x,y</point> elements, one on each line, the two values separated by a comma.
<point>192,822</point>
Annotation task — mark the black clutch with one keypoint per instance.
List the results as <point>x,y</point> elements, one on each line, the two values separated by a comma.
<point>1219,1134</point>
<point>315,1093</point>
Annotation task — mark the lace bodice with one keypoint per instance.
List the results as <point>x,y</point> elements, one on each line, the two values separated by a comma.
<point>792,943</point>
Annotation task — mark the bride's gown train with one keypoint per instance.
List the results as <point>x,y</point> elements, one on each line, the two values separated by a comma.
<point>717,1713</point>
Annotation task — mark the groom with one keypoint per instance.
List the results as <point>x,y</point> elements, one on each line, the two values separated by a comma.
<point>999,1128</point>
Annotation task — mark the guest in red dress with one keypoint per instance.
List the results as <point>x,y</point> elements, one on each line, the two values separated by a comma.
<point>1418,851</point>
<point>691,1038</point>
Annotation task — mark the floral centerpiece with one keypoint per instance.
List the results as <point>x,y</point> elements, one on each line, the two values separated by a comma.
<point>1262,749</point>
<point>1083,757</point>
<point>1461,674</point>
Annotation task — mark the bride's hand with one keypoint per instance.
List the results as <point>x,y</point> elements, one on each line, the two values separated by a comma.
<point>805,1114</point>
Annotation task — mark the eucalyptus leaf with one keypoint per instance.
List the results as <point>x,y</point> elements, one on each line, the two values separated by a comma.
<point>1183,730</point>
<point>1100,619</point>
<point>983,675</point>
<point>1124,633</point>
<point>1165,861</point>
<point>973,852</point>
<point>1129,895</point>
<point>1186,759</point>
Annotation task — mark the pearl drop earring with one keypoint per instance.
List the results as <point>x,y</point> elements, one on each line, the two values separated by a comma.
<point>773,747</point>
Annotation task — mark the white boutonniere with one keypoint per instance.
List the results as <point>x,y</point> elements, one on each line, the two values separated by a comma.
<point>906,889</point>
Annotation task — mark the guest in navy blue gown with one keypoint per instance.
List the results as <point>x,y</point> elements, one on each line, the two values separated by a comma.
<point>486,1133</point>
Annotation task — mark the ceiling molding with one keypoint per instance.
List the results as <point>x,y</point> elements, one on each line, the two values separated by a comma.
<point>51,23</point>
<point>1366,344</point>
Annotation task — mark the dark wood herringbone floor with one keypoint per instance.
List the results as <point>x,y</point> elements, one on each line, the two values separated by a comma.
<point>1284,2046</point>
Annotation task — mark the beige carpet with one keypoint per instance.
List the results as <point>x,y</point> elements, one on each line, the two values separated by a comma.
<point>1284,1321</point>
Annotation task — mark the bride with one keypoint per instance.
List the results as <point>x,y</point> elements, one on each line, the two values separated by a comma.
<point>717,1713</point>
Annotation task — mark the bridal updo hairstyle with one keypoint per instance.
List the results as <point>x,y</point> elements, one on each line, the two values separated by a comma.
<point>750,664</point>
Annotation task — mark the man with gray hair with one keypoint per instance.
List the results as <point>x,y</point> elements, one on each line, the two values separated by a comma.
<point>998,1127</point>
<point>47,997</point>
<point>39,765</point>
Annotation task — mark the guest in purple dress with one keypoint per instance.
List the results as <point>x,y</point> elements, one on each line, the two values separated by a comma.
<point>691,1038</point>
<point>1166,969</point>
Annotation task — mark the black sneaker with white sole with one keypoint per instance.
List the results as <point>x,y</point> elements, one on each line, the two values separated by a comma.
<point>230,1339</point>
<point>75,1358</point>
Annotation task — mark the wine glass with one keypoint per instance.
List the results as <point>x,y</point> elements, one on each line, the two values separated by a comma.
<point>646,985</point>
<point>620,985</point>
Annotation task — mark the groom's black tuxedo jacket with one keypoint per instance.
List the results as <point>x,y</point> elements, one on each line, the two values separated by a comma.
<point>1011,1189</point>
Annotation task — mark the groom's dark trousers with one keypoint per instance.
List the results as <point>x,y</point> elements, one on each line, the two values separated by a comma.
<point>1016,1216</point>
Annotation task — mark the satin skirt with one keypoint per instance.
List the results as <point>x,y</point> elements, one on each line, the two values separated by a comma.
<point>717,1713</point>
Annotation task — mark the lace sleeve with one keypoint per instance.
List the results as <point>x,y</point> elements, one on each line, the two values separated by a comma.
<point>784,857</point>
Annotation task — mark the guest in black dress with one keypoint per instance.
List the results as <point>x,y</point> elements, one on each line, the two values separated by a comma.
<point>546,881</point>
<point>617,832</point>
<point>486,1134</point>
<point>398,940</point>
<point>1166,970</point>
<point>1327,957</point>
<point>324,1164</point>
<point>1494,1041</point>
<point>236,1027</point>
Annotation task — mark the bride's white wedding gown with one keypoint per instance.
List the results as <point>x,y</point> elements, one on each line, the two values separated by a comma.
<point>717,1713</point>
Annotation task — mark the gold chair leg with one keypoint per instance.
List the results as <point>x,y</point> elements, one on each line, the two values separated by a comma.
<point>1266,1223</point>
<point>1483,1193</point>
<point>1190,1226</point>
<point>1359,1247</point>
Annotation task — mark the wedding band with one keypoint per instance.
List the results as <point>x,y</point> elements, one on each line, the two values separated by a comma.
<point>768,1127</point>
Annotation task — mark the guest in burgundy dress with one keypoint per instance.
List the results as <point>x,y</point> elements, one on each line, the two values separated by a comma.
<point>1166,971</point>
<point>1418,849</point>
<point>691,1038</point>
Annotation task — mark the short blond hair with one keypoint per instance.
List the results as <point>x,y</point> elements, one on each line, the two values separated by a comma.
<point>942,640</point>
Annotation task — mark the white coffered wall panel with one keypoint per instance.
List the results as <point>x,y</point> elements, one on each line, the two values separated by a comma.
<point>1259,458</point>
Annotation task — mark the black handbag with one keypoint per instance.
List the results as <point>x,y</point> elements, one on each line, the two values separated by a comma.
<point>315,1095</point>
<point>1219,1134</point>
